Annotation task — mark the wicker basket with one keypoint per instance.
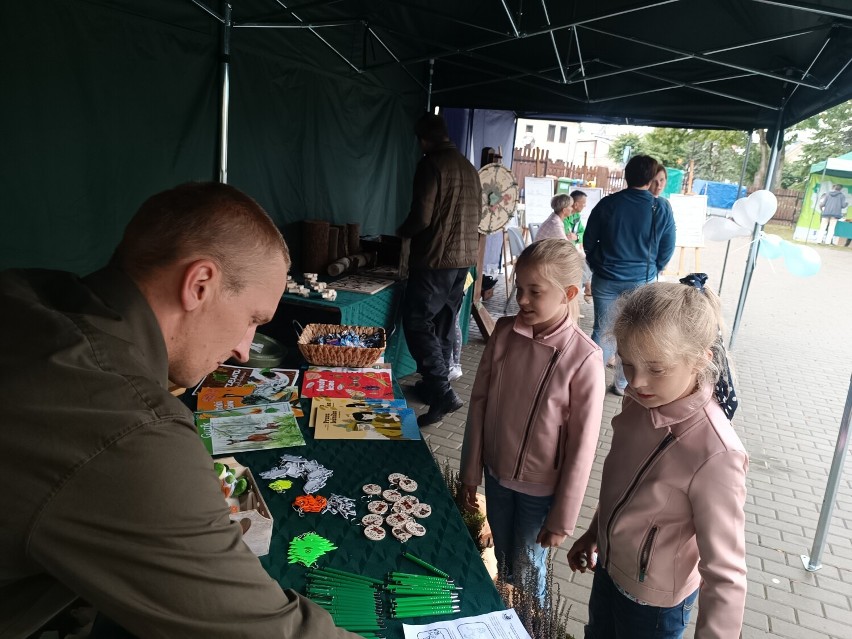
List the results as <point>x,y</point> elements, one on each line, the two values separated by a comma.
<point>326,355</point>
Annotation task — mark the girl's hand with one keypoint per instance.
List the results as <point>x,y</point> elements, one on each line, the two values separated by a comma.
<point>547,539</point>
<point>469,497</point>
<point>583,554</point>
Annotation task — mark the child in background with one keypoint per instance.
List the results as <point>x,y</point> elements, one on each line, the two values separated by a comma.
<point>670,524</point>
<point>535,412</point>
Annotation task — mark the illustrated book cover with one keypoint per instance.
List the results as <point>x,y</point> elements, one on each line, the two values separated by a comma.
<point>372,382</point>
<point>268,382</point>
<point>372,422</point>
<point>329,403</point>
<point>248,428</point>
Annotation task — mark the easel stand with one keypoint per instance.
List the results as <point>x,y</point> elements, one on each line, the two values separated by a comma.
<point>681,258</point>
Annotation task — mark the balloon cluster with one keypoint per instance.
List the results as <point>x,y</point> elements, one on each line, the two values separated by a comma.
<point>758,208</point>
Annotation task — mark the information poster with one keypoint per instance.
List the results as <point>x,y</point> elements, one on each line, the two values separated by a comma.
<point>593,196</point>
<point>690,213</point>
<point>537,195</point>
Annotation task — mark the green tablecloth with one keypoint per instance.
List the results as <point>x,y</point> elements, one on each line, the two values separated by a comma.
<point>447,543</point>
<point>359,309</point>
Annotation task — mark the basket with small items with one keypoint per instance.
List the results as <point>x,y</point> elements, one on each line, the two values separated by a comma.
<point>337,345</point>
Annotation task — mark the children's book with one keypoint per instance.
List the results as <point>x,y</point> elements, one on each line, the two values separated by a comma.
<point>372,382</point>
<point>248,428</point>
<point>227,398</point>
<point>375,423</point>
<point>268,382</point>
<point>329,403</point>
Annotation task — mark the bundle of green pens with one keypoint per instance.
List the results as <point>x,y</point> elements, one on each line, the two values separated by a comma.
<point>353,601</point>
<point>421,595</point>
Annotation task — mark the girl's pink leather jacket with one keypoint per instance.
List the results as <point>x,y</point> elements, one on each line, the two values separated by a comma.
<point>671,514</point>
<point>535,414</point>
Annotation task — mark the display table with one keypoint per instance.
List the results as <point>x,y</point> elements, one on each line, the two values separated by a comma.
<point>447,543</point>
<point>358,309</point>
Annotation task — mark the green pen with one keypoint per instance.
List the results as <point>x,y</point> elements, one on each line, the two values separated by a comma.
<point>424,602</point>
<point>424,613</point>
<point>343,573</point>
<point>408,575</point>
<point>425,565</point>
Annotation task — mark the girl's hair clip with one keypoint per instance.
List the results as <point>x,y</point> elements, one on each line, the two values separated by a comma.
<point>696,280</point>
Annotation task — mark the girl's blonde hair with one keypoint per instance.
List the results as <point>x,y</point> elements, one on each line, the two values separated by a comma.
<point>673,321</point>
<point>558,262</point>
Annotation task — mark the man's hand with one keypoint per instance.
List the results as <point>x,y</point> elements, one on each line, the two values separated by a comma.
<point>469,497</point>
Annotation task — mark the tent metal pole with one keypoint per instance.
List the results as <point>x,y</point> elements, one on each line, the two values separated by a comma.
<point>813,563</point>
<point>813,210</point>
<point>739,190</point>
<point>755,237</point>
<point>226,93</point>
<point>429,90</point>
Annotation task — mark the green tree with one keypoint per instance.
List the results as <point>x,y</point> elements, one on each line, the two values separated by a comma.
<point>633,140</point>
<point>828,135</point>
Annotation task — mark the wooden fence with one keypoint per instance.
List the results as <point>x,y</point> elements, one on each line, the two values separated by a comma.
<point>789,206</point>
<point>535,162</point>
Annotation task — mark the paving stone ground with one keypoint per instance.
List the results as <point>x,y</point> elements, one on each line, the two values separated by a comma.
<point>793,357</point>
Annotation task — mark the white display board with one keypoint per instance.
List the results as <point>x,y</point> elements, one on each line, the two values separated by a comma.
<point>538,191</point>
<point>593,196</point>
<point>690,213</point>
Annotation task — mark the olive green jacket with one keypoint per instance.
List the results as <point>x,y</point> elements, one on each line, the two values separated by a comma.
<point>109,493</point>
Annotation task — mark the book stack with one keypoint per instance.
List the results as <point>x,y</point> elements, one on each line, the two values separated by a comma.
<point>241,409</point>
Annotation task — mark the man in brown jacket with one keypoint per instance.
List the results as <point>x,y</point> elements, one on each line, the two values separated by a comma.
<point>112,495</point>
<point>443,226</point>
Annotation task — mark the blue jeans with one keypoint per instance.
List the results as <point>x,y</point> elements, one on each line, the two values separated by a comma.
<point>604,294</point>
<point>515,520</point>
<point>614,616</point>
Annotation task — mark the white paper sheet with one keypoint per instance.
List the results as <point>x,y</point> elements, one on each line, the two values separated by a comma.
<point>503,624</point>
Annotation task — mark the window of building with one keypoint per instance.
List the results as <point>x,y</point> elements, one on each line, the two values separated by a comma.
<point>529,128</point>
<point>551,132</point>
<point>563,134</point>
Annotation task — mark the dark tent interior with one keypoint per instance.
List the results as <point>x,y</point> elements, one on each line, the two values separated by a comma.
<point>107,102</point>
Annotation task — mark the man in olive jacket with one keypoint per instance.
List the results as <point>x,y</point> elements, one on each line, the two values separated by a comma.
<point>443,226</point>
<point>111,494</point>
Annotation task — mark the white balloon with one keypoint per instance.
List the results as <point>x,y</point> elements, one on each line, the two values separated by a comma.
<point>720,229</point>
<point>763,203</point>
<point>744,213</point>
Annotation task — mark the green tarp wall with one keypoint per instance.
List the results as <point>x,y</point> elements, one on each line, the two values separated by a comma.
<point>103,107</point>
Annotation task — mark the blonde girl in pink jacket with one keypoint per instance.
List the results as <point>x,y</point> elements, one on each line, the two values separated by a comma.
<point>535,413</point>
<point>670,524</point>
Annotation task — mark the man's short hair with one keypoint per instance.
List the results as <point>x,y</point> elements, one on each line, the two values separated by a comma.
<point>838,187</point>
<point>576,194</point>
<point>431,127</point>
<point>640,170</point>
<point>200,220</point>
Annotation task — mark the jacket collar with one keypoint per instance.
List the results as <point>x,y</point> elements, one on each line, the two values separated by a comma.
<point>135,320</point>
<point>679,410</point>
<point>441,146</point>
<point>558,330</point>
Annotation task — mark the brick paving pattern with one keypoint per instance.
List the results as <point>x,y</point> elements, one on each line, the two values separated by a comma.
<point>793,358</point>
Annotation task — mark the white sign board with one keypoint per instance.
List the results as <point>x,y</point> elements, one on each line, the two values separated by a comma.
<point>593,196</point>
<point>690,213</point>
<point>537,195</point>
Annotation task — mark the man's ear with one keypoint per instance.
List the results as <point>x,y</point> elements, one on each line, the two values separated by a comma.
<point>571,292</point>
<point>197,283</point>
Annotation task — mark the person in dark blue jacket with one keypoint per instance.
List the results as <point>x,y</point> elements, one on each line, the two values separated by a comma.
<point>629,239</point>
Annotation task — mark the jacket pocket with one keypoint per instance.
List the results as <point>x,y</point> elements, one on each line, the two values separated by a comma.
<point>645,553</point>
